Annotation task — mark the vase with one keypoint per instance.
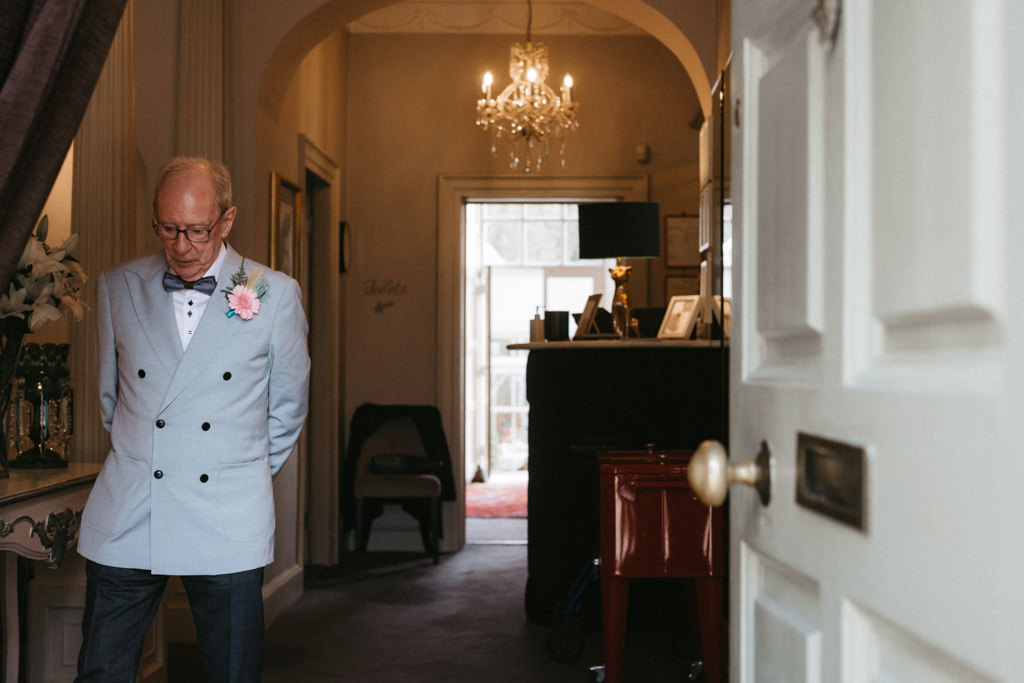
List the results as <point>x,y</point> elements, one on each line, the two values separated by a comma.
<point>39,420</point>
<point>12,333</point>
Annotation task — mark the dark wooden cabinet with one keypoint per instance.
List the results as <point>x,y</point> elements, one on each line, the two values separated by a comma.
<point>589,397</point>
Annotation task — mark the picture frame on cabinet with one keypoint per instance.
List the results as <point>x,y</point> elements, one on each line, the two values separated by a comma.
<point>586,326</point>
<point>680,317</point>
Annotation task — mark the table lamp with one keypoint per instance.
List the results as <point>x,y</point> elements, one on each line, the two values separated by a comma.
<point>620,230</point>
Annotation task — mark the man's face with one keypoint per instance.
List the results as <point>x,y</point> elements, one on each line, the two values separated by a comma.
<point>187,201</point>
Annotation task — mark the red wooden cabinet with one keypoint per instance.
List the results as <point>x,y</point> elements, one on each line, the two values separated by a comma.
<point>653,526</point>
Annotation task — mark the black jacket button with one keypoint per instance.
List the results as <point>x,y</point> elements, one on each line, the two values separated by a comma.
<point>160,424</point>
<point>206,426</point>
<point>204,478</point>
<point>159,474</point>
<point>227,376</point>
<point>142,373</point>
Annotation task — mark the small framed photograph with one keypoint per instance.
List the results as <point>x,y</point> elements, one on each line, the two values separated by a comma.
<point>680,317</point>
<point>285,226</point>
<point>681,243</point>
<point>586,324</point>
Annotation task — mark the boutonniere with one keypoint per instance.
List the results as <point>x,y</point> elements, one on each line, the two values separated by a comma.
<point>246,291</point>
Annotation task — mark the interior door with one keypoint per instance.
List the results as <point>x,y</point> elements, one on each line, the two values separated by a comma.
<point>878,228</point>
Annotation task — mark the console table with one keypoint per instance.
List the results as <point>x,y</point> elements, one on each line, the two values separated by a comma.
<point>587,397</point>
<point>40,512</point>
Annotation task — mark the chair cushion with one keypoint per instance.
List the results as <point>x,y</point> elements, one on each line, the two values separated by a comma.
<point>403,463</point>
<point>397,486</point>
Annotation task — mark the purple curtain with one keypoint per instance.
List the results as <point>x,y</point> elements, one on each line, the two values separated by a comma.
<point>51,53</point>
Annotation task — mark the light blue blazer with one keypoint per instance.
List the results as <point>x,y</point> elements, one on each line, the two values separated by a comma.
<point>196,435</point>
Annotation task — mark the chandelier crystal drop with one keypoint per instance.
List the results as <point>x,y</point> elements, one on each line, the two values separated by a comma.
<point>528,114</point>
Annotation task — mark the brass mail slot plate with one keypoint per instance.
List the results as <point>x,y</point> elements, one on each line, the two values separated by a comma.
<point>831,478</point>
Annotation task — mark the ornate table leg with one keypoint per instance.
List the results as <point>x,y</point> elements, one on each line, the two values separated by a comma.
<point>11,633</point>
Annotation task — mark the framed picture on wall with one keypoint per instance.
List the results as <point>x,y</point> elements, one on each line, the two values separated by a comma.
<point>681,243</point>
<point>285,226</point>
<point>677,285</point>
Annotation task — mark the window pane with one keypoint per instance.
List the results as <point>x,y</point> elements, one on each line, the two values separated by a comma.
<point>515,295</point>
<point>543,241</point>
<point>572,242</point>
<point>542,211</point>
<point>570,294</point>
<point>503,243</point>
<point>503,211</point>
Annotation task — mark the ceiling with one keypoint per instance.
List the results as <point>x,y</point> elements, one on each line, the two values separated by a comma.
<point>508,17</point>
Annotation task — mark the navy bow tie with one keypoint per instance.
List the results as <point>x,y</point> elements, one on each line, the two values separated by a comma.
<point>173,283</point>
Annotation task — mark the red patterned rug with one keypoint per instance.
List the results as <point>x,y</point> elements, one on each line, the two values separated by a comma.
<point>496,500</point>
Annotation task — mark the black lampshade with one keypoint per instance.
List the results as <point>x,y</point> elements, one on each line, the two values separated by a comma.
<point>619,230</point>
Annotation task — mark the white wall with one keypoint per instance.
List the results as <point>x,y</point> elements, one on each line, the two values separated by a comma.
<point>411,118</point>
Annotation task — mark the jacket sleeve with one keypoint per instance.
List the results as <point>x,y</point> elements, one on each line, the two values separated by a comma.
<point>289,377</point>
<point>106,352</point>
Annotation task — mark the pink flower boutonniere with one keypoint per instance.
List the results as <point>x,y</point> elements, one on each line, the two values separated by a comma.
<point>246,292</point>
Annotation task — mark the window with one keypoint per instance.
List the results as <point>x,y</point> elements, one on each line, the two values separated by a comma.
<point>521,258</point>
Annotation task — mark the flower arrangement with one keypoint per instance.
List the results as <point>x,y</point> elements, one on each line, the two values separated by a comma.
<point>246,292</point>
<point>47,283</point>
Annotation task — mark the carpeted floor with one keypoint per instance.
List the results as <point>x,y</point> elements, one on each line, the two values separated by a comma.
<point>496,500</point>
<point>396,618</point>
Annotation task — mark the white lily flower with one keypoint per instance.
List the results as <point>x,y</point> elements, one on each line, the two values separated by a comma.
<point>73,305</point>
<point>46,267</point>
<point>43,313</point>
<point>68,247</point>
<point>47,282</point>
<point>33,253</point>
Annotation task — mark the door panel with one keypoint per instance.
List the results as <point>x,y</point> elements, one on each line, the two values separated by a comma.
<point>878,244</point>
<point>785,186</point>
<point>785,634</point>
<point>922,159</point>
<point>878,650</point>
<point>789,188</point>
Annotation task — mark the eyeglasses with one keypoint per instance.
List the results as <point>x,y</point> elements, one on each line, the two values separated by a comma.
<point>193,233</point>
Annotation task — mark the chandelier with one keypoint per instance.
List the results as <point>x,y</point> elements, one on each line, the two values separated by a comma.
<point>528,113</point>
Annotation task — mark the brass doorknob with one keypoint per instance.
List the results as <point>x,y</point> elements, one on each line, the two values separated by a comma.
<point>711,474</point>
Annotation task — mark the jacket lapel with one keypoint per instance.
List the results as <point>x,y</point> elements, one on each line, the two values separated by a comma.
<point>211,335</point>
<point>154,309</point>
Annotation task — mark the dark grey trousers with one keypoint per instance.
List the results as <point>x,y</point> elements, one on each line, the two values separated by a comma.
<point>120,605</point>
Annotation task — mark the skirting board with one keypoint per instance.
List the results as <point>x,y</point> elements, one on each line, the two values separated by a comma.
<point>281,593</point>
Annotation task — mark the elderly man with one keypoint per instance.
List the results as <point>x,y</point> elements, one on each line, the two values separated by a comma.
<point>204,376</point>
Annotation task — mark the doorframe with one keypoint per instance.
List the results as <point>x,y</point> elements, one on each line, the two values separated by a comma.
<point>453,191</point>
<point>318,487</point>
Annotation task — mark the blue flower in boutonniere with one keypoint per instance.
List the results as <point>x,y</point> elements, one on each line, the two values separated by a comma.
<point>246,291</point>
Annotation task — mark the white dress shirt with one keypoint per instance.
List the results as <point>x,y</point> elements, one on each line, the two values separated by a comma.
<point>189,304</point>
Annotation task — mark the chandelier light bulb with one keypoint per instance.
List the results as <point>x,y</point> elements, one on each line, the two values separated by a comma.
<point>528,112</point>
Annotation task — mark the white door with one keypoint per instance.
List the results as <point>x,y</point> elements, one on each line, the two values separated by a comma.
<point>879,238</point>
